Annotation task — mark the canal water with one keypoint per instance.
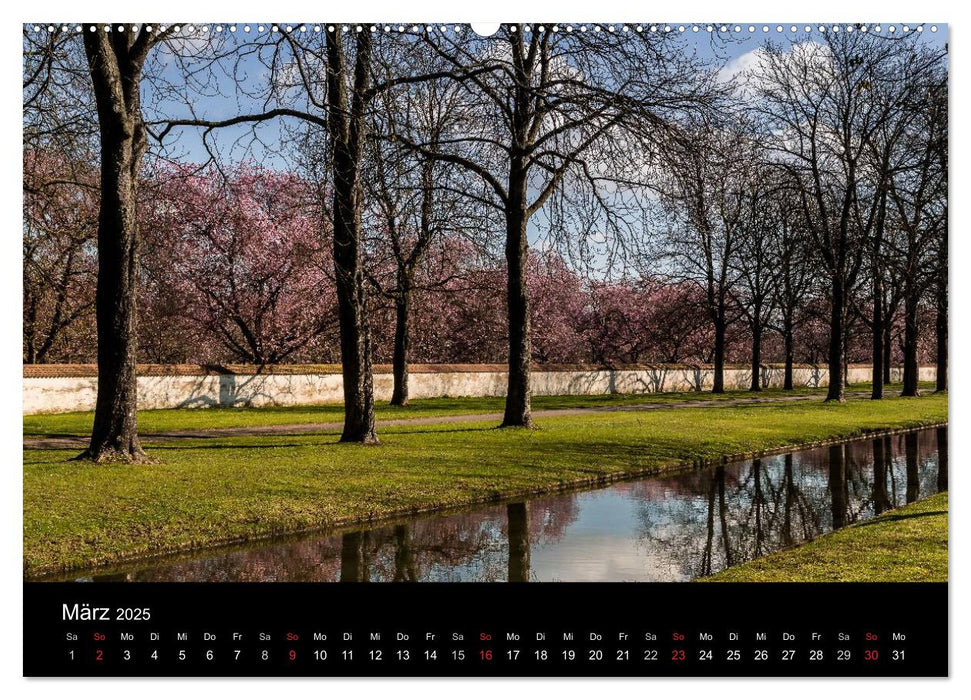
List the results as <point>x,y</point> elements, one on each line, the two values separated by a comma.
<point>667,528</point>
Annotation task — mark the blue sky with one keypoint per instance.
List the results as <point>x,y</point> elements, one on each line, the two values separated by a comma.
<point>731,50</point>
<point>235,144</point>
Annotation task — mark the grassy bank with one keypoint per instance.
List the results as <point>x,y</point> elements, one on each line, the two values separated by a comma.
<point>169,420</point>
<point>906,544</point>
<point>216,490</point>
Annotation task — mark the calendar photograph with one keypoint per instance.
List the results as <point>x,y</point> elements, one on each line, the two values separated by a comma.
<point>467,305</point>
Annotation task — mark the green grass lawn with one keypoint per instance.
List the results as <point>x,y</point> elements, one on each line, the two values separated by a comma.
<point>168,420</point>
<point>206,491</point>
<point>906,544</point>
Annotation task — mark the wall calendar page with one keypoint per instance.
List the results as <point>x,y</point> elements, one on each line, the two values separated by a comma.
<point>460,350</point>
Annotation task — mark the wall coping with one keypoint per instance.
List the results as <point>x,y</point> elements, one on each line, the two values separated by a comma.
<point>196,370</point>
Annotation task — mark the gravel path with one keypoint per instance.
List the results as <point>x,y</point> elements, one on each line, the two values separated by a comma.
<point>64,441</point>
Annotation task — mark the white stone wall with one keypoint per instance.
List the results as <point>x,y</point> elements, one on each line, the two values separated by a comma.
<point>60,394</point>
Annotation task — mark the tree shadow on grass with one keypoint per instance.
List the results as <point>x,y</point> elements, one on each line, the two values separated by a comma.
<point>436,431</point>
<point>895,518</point>
<point>275,446</point>
<point>47,434</point>
<point>330,440</point>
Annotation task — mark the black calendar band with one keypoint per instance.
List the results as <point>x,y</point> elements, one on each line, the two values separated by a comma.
<point>547,629</point>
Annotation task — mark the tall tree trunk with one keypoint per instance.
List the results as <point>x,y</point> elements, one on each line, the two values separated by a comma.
<point>836,390</point>
<point>115,432</point>
<point>756,356</point>
<point>877,345</point>
<point>846,361</point>
<point>518,411</point>
<point>402,341</point>
<point>911,299</point>
<point>718,382</point>
<point>941,331</point>
<point>347,128</point>
<point>887,349</point>
<point>787,339</point>
<point>115,68</point>
<point>876,376</point>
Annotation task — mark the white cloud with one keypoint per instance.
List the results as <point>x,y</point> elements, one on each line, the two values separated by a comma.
<point>749,68</point>
<point>740,66</point>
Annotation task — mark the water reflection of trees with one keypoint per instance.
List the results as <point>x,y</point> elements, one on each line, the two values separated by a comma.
<point>942,459</point>
<point>738,512</point>
<point>492,544</point>
<point>687,525</point>
<point>517,529</point>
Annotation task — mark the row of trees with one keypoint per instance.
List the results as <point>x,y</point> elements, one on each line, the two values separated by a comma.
<point>817,181</point>
<point>829,180</point>
<point>230,260</point>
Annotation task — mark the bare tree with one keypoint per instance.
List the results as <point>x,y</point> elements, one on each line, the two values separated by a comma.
<point>794,274</point>
<point>116,56</point>
<point>919,195</point>
<point>60,137</point>
<point>883,147</point>
<point>758,256</point>
<point>347,128</point>
<point>57,95</point>
<point>820,117</point>
<point>414,203</point>
<point>541,102</point>
<point>895,84</point>
<point>893,294</point>
<point>707,198</point>
<point>940,301</point>
<point>60,255</point>
<point>339,106</point>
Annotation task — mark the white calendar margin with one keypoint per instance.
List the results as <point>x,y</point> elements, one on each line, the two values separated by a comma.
<point>486,11</point>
